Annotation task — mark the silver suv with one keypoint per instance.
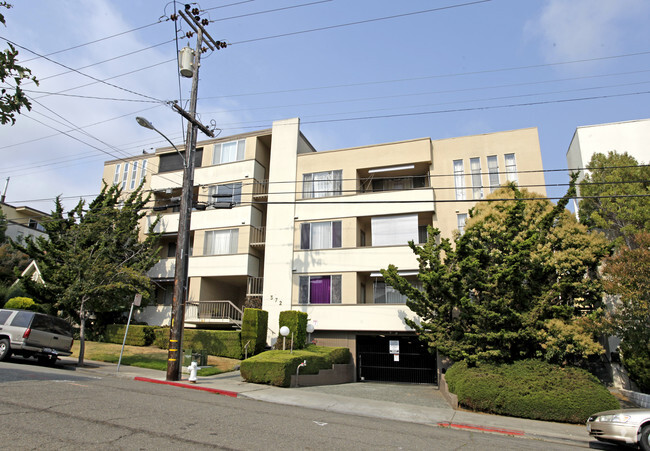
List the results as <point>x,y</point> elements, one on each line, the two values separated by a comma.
<point>32,334</point>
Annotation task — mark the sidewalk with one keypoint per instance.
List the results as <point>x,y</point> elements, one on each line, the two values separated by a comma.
<point>402,402</point>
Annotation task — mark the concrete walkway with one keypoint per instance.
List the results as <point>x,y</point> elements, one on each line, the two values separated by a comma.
<point>403,402</point>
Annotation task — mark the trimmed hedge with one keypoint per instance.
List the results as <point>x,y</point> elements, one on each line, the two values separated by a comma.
<point>222,343</point>
<point>276,367</point>
<point>530,389</point>
<point>253,329</point>
<point>138,335</point>
<point>22,303</point>
<point>297,323</point>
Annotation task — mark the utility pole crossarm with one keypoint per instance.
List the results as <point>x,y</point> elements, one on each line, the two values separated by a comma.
<point>189,117</point>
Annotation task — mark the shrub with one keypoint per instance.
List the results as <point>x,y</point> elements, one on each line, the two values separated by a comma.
<point>222,343</point>
<point>138,335</point>
<point>276,367</point>
<point>530,389</point>
<point>23,303</point>
<point>636,360</point>
<point>297,323</point>
<point>254,326</point>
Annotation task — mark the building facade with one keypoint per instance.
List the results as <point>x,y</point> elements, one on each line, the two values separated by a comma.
<point>23,221</point>
<point>310,230</point>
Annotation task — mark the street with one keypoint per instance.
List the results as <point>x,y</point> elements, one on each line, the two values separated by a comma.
<point>60,408</point>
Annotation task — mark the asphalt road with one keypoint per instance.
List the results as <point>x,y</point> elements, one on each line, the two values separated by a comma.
<point>59,408</point>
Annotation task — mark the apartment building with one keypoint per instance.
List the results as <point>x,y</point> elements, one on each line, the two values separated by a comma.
<point>310,230</point>
<point>23,221</point>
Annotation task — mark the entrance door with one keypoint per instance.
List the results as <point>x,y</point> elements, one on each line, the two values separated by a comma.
<point>395,359</point>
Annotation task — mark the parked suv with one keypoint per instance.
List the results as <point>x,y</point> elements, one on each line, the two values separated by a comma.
<point>32,334</point>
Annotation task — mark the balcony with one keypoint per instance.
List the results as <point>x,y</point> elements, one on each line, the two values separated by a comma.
<point>260,189</point>
<point>224,313</point>
<point>258,236</point>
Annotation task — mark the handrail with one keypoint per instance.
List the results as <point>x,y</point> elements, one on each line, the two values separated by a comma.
<point>207,310</point>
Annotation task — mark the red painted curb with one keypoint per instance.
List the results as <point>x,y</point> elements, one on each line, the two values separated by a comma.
<point>232,394</point>
<point>482,428</point>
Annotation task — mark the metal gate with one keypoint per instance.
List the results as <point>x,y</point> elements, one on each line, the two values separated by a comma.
<point>395,359</point>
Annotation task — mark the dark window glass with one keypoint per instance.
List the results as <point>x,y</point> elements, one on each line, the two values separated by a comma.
<point>304,236</point>
<point>336,234</point>
<point>4,314</point>
<point>22,319</point>
<point>174,162</point>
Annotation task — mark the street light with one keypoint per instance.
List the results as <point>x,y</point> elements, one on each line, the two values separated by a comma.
<point>146,124</point>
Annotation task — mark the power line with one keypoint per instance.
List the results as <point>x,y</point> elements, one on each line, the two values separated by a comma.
<point>360,22</point>
<point>266,11</point>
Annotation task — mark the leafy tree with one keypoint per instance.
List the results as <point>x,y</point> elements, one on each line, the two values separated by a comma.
<point>620,218</point>
<point>627,275</point>
<point>12,99</point>
<point>94,260</point>
<point>512,286</point>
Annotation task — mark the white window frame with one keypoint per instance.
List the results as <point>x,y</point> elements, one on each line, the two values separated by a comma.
<point>125,174</point>
<point>116,177</point>
<point>459,179</point>
<point>219,156</point>
<point>234,198</point>
<point>511,167</point>
<point>322,184</point>
<point>394,230</point>
<point>477,178</point>
<point>493,172</point>
<point>461,219</point>
<point>231,236</point>
<point>309,234</point>
<point>134,174</point>
<point>143,170</point>
<point>336,289</point>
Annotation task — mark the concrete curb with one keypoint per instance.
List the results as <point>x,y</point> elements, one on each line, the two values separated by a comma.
<point>217,391</point>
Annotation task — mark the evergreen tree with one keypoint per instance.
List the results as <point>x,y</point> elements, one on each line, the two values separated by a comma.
<point>513,285</point>
<point>620,218</point>
<point>94,260</point>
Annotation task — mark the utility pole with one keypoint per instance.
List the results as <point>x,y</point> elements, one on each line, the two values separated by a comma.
<point>175,349</point>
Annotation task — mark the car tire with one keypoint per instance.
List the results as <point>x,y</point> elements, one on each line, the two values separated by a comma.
<point>644,438</point>
<point>5,349</point>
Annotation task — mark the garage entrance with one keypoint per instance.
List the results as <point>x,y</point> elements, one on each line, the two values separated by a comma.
<point>395,359</point>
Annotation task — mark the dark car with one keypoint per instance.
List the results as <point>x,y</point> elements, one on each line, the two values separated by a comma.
<point>32,334</point>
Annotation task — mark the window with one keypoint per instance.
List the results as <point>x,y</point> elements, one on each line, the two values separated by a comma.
<point>477,183</point>
<point>459,179</point>
<point>385,294</point>
<point>493,171</point>
<point>171,249</point>
<point>143,169</point>
<point>220,242</point>
<point>322,184</point>
<point>116,177</point>
<point>229,151</point>
<point>320,235</point>
<point>319,290</point>
<point>229,192</point>
<point>399,183</point>
<point>394,230</point>
<point>174,161</point>
<point>462,218</point>
<point>126,174</point>
<point>511,167</point>
<point>134,174</point>
<point>422,234</point>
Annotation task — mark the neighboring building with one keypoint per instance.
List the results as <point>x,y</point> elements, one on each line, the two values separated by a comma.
<point>311,230</point>
<point>632,137</point>
<point>23,221</point>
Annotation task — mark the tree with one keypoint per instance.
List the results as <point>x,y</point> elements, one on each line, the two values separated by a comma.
<point>12,100</point>
<point>627,275</point>
<point>10,260</point>
<point>513,285</point>
<point>620,218</point>
<point>94,260</point>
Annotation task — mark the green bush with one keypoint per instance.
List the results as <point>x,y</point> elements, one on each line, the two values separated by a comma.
<point>636,360</point>
<point>276,367</point>
<point>253,330</point>
<point>22,303</point>
<point>222,343</point>
<point>530,389</point>
<point>297,323</point>
<point>138,335</point>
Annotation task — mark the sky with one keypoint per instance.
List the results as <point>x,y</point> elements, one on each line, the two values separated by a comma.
<point>356,72</point>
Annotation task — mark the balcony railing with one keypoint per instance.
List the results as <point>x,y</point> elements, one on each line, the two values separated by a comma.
<point>213,312</point>
<point>258,236</point>
<point>260,189</point>
<point>255,286</point>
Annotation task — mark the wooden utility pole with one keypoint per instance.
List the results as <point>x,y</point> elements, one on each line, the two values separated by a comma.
<point>175,349</point>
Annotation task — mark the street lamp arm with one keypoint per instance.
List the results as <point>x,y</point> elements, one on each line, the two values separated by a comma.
<point>146,124</point>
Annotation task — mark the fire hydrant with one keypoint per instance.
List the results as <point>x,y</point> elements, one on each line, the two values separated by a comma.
<point>193,370</point>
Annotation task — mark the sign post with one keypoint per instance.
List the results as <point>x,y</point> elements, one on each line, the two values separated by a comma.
<point>136,302</point>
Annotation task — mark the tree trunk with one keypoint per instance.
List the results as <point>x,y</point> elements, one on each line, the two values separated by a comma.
<point>82,333</point>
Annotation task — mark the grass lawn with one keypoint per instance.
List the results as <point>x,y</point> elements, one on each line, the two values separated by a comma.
<point>146,357</point>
